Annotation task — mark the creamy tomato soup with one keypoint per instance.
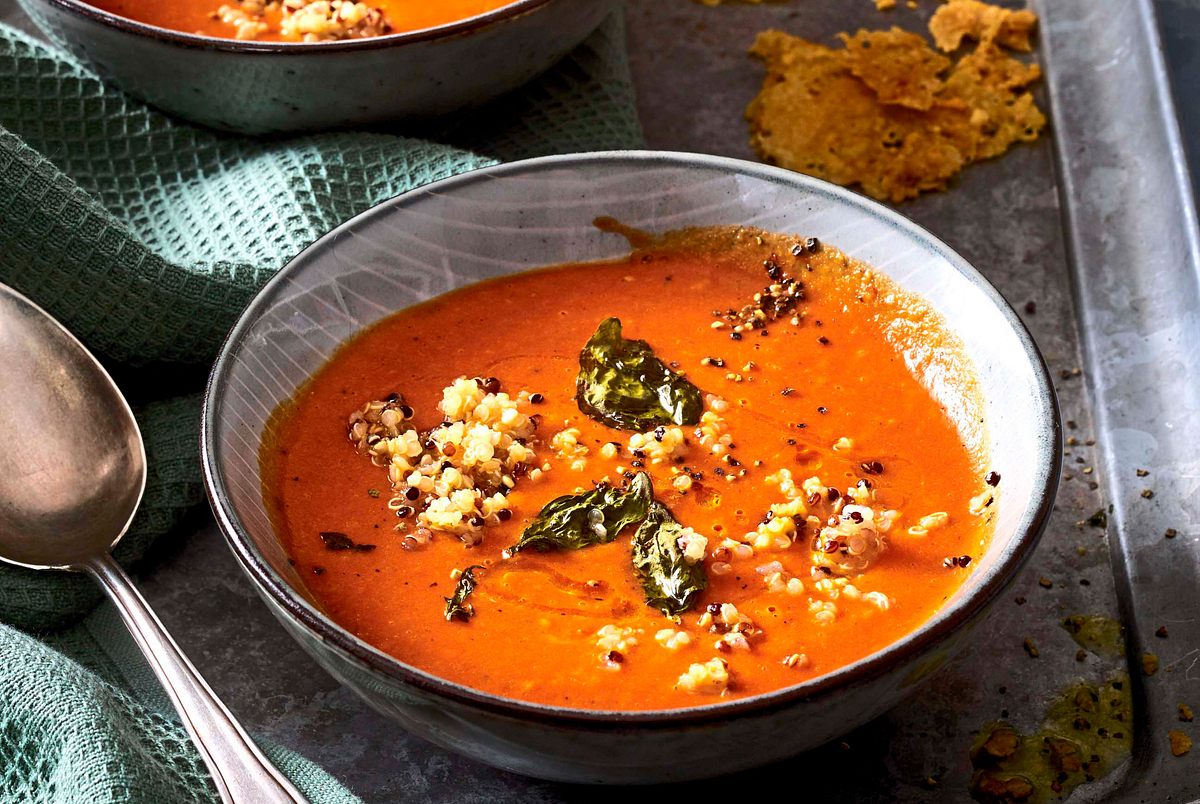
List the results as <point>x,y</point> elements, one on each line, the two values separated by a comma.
<point>298,20</point>
<point>711,470</point>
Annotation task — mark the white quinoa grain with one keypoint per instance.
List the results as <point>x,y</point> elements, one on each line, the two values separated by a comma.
<point>709,678</point>
<point>980,503</point>
<point>879,599</point>
<point>716,404</point>
<point>672,639</point>
<point>935,520</point>
<point>799,660</point>
<point>615,637</point>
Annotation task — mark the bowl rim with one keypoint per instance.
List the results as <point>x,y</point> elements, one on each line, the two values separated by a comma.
<point>467,26</point>
<point>941,625</point>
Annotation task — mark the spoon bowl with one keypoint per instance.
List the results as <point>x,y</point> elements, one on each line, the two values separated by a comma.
<point>72,473</point>
<point>73,467</point>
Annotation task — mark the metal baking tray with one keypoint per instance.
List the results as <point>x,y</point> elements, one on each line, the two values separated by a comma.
<point>1092,234</point>
<point>1096,225</point>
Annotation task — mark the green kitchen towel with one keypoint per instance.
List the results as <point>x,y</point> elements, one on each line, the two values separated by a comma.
<point>146,237</point>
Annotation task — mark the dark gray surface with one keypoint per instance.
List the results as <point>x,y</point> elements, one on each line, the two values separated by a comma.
<point>1005,217</point>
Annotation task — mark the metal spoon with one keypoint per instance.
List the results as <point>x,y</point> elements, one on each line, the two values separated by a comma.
<point>72,472</point>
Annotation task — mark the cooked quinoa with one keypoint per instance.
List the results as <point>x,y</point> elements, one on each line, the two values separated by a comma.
<point>709,678</point>
<point>800,660</point>
<point>735,630</point>
<point>615,643</point>
<point>566,445</point>
<point>851,540</point>
<point>306,20</point>
<point>245,17</point>
<point>980,503</point>
<point>660,445</point>
<point>453,478</point>
<point>938,519</point>
<point>325,20</point>
<point>693,545</point>
<point>672,639</point>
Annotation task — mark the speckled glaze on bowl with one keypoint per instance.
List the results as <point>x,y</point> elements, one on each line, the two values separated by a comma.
<point>529,214</point>
<point>272,87</point>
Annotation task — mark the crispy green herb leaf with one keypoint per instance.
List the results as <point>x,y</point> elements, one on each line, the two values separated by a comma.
<point>457,607</point>
<point>671,584</point>
<point>581,520</point>
<point>623,385</point>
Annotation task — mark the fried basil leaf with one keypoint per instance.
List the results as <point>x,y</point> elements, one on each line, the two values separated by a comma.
<point>671,584</point>
<point>623,385</point>
<point>581,520</point>
<point>457,607</point>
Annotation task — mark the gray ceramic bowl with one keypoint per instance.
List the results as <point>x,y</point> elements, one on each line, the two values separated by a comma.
<point>265,87</point>
<point>529,214</point>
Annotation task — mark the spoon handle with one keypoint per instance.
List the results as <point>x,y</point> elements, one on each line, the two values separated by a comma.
<point>239,770</point>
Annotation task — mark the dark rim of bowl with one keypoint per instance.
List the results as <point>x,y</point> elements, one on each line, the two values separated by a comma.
<point>942,624</point>
<point>79,8</point>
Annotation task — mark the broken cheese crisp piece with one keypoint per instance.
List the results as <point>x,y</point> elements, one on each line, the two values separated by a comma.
<point>990,85</point>
<point>897,65</point>
<point>985,23</point>
<point>813,115</point>
<point>816,115</point>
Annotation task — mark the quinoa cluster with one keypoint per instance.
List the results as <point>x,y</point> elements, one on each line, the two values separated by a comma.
<point>844,532</point>
<point>846,542</point>
<point>455,477</point>
<point>307,20</point>
<point>615,642</point>
<point>245,17</point>
<point>710,678</point>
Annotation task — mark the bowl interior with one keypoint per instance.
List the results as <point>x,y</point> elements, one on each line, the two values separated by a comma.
<point>531,214</point>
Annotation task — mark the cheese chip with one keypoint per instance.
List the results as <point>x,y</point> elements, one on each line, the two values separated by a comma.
<point>983,22</point>
<point>879,115</point>
<point>815,116</point>
<point>897,65</point>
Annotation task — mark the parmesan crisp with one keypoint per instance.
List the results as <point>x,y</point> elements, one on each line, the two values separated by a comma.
<point>896,65</point>
<point>815,116</point>
<point>991,85</point>
<point>985,23</point>
<point>888,113</point>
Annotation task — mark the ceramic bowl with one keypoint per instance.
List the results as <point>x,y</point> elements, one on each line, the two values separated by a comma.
<point>268,87</point>
<point>529,214</point>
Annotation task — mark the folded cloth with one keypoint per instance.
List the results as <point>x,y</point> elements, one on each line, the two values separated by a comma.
<point>146,237</point>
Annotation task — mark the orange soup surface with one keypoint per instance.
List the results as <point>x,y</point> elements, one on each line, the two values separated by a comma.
<point>818,504</point>
<point>297,20</point>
